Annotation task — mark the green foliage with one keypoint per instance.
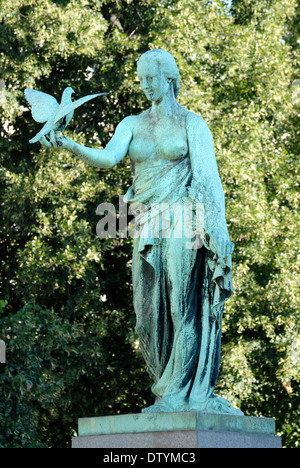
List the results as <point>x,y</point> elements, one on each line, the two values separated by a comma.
<point>66,308</point>
<point>56,365</point>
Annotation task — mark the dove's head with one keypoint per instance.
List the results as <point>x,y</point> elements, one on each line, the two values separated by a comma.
<point>67,93</point>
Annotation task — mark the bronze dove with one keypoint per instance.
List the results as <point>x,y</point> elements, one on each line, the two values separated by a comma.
<point>45,108</point>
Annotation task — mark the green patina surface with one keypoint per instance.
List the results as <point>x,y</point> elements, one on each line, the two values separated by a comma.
<point>181,265</point>
<point>156,422</point>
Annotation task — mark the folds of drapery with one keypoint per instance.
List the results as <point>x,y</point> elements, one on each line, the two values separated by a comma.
<point>179,292</point>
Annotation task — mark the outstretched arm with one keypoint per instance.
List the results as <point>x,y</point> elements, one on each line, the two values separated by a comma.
<point>105,158</point>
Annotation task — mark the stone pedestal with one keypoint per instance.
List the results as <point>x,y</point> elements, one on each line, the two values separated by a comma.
<point>176,431</point>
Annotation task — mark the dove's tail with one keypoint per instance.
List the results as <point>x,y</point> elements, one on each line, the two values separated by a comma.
<point>46,129</point>
<point>33,140</point>
<point>36,138</point>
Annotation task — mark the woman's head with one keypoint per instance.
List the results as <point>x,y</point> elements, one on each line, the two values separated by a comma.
<point>163,61</point>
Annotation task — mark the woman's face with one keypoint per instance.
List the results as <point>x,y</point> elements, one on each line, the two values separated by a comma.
<point>153,81</point>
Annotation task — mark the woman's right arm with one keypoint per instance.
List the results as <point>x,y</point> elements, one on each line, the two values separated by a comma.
<point>105,158</point>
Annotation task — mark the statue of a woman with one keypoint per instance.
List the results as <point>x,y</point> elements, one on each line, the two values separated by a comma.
<point>179,292</point>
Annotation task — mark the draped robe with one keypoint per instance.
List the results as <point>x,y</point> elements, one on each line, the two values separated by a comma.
<point>179,293</point>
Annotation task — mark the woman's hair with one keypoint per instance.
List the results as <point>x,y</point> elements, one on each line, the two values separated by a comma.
<point>167,64</point>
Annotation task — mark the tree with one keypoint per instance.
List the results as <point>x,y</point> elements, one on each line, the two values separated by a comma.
<point>68,313</point>
<point>56,274</point>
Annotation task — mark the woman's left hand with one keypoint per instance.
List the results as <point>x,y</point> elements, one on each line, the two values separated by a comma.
<point>57,142</point>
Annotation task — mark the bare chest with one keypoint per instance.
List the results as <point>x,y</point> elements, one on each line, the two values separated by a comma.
<point>163,139</point>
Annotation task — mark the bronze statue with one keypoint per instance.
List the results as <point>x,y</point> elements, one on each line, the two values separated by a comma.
<point>179,292</point>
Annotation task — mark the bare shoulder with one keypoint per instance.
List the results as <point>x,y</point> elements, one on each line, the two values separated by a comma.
<point>127,123</point>
<point>195,119</point>
<point>196,125</point>
<point>135,122</point>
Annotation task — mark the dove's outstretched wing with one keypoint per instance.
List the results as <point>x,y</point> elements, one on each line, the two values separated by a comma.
<point>65,110</point>
<point>43,106</point>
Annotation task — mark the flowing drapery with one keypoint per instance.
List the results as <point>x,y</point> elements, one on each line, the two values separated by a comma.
<point>179,291</point>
